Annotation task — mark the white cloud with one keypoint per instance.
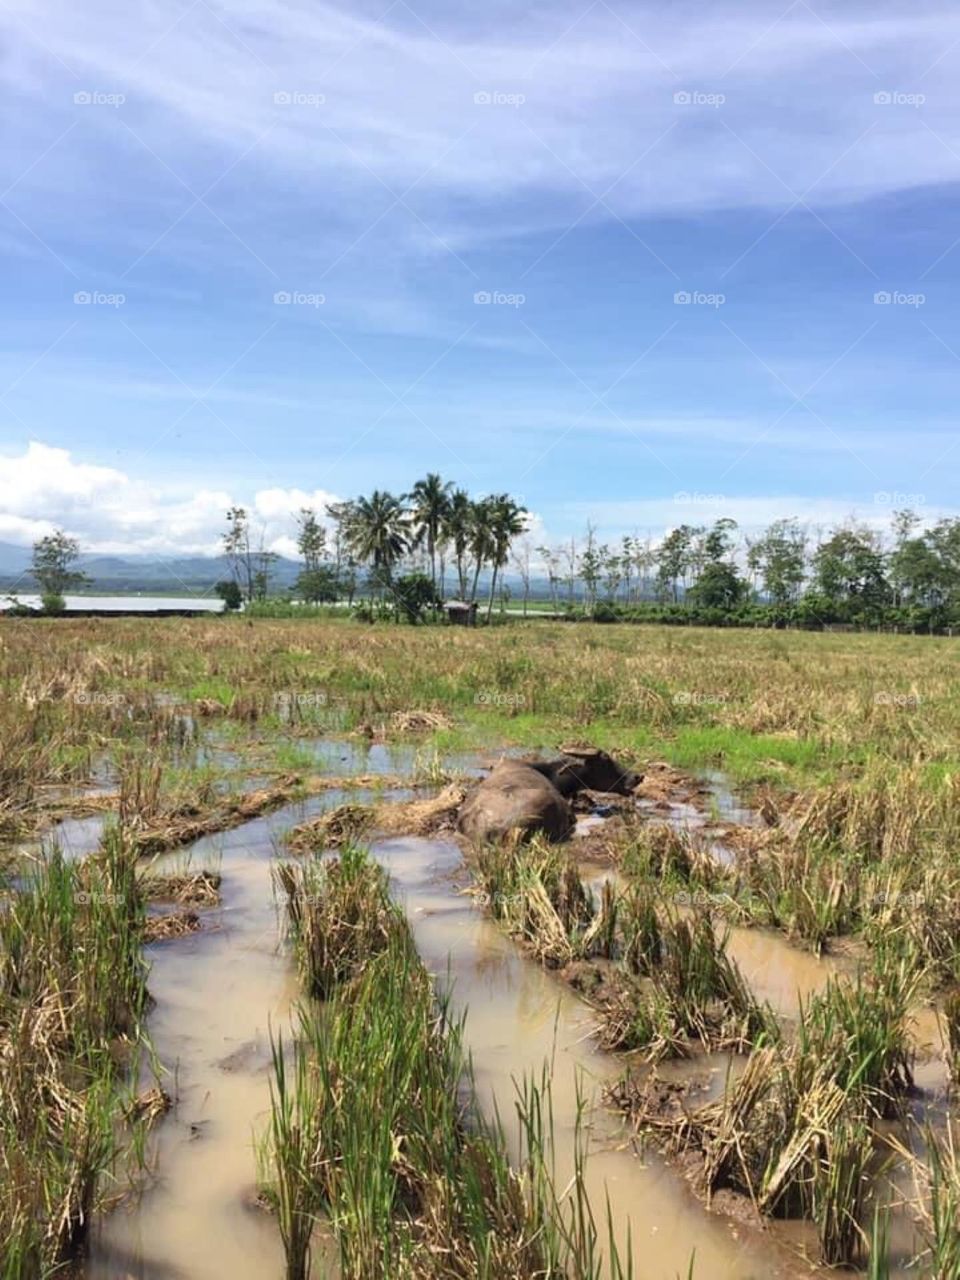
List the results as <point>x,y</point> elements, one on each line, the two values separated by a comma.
<point>284,504</point>
<point>47,482</point>
<point>110,512</point>
<point>45,487</point>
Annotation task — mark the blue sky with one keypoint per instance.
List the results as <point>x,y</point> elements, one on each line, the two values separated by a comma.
<point>181,164</point>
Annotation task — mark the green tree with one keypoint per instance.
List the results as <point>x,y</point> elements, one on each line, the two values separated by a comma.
<point>591,568</point>
<point>674,559</point>
<point>779,556</point>
<point>316,580</point>
<point>918,573</point>
<point>944,538</point>
<point>379,535</point>
<point>430,501</point>
<point>239,551</point>
<point>456,532</point>
<point>415,593</point>
<point>718,543</point>
<point>507,520</point>
<point>230,593</point>
<point>480,542</point>
<point>719,586</point>
<point>849,572</point>
<point>52,567</point>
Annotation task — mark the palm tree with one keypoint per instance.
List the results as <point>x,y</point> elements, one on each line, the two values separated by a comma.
<point>457,523</point>
<point>479,538</point>
<point>378,533</point>
<point>430,500</point>
<point>506,520</point>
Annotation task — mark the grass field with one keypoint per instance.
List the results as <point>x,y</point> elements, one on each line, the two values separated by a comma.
<point>796,708</point>
<point>846,744</point>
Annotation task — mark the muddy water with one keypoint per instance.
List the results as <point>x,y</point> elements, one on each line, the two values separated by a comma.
<point>518,1018</point>
<point>219,992</point>
<point>217,995</point>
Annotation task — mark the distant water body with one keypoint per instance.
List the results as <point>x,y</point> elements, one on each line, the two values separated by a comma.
<point>126,604</point>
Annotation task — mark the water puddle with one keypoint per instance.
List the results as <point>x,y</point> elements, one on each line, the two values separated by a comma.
<point>219,992</point>
<point>518,1018</point>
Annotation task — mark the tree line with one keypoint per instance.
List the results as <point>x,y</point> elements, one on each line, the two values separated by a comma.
<point>403,554</point>
<point>853,574</point>
<point>404,549</point>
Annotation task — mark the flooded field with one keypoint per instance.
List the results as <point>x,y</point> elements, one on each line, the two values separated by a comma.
<point>220,992</point>
<point>707,1030</point>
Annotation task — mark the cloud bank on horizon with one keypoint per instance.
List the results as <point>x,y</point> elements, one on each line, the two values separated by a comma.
<point>606,256</point>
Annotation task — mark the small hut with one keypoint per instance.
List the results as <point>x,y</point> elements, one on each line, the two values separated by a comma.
<point>461,613</point>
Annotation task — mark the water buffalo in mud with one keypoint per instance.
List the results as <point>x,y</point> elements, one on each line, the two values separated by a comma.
<point>524,797</point>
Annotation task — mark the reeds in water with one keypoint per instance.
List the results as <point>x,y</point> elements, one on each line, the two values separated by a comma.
<point>796,1131</point>
<point>72,996</point>
<point>376,1129</point>
<point>340,916</point>
<point>692,992</point>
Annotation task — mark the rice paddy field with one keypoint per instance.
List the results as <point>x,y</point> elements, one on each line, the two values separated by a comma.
<point>264,1012</point>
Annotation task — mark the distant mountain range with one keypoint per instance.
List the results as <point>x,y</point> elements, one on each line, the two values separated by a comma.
<point>151,574</point>
<point>186,575</point>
